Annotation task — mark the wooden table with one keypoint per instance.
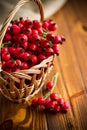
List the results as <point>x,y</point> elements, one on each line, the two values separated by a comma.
<point>72,83</point>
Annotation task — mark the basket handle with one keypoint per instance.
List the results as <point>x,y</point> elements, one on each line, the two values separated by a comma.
<point>14,11</point>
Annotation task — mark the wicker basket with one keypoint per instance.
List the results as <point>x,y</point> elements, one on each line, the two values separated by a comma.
<point>23,85</point>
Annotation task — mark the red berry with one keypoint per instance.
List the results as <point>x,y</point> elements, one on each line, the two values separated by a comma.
<point>4,49</point>
<point>18,62</point>
<point>36,24</point>
<point>18,51</point>
<point>49,51</point>
<point>15,29</point>
<point>65,106</point>
<point>60,101</point>
<point>52,104</point>
<point>34,59</point>
<point>3,64</point>
<point>35,102</point>
<point>33,47</point>
<point>55,48</point>
<point>12,50</point>
<point>22,38</point>
<point>10,63</point>
<point>54,96</point>
<point>57,108</point>
<point>46,104</point>
<point>45,44</point>
<point>53,26</point>
<point>45,25</point>
<point>34,31</point>
<point>41,101</point>
<point>24,45</point>
<point>49,85</point>
<point>41,57</point>
<point>24,66</point>
<point>25,56</point>
<point>40,31</point>
<point>7,37</point>
<point>6,56</point>
<point>50,37</point>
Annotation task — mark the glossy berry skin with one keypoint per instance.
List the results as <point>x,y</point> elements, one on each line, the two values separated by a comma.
<point>41,57</point>
<point>3,64</point>
<point>53,27</point>
<point>57,108</point>
<point>51,105</point>
<point>18,52</point>
<point>45,25</point>
<point>10,63</point>
<point>46,104</point>
<point>53,96</point>
<point>60,101</point>
<point>49,85</point>
<point>18,63</point>
<point>24,45</point>
<point>33,47</point>
<point>22,38</point>
<point>25,56</point>
<point>15,29</point>
<point>36,24</point>
<point>35,102</point>
<point>4,49</point>
<point>41,101</point>
<point>7,37</point>
<point>6,56</point>
<point>24,65</point>
<point>65,106</point>
<point>12,50</point>
<point>33,59</point>
<point>55,48</point>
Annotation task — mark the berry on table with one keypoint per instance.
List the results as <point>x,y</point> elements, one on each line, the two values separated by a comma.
<point>49,85</point>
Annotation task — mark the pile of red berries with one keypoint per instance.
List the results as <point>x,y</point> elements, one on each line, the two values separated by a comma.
<point>54,103</point>
<point>27,43</point>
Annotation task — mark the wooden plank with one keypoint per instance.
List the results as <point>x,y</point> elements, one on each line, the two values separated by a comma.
<point>79,39</point>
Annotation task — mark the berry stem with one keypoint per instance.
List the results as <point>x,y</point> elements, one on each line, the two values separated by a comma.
<point>54,80</point>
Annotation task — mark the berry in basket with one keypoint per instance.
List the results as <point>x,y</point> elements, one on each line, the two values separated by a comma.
<point>27,43</point>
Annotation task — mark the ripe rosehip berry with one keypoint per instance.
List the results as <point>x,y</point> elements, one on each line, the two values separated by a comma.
<point>65,106</point>
<point>46,104</point>
<point>6,56</point>
<point>45,25</point>
<point>36,24</point>
<point>25,56</point>
<point>50,37</point>
<point>34,31</point>
<point>33,47</point>
<point>57,108</point>
<point>22,38</point>
<point>45,44</point>
<point>35,38</point>
<point>55,48</point>
<point>24,45</point>
<point>15,29</point>
<point>41,101</point>
<point>34,59</point>
<point>60,101</point>
<point>18,52</point>
<point>7,37</point>
<point>3,64</point>
<point>54,96</point>
<point>40,31</point>
<point>41,57</point>
<point>52,104</point>
<point>18,62</point>
<point>10,63</point>
<point>53,26</point>
<point>28,23</point>
<point>49,51</point>
<point>11,50</point>
<point>49,85</point>
<point>4,49</point>
<point>24,66</point>
<point>35,102</point>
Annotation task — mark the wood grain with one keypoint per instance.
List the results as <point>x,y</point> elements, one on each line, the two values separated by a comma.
<point>71,66</point>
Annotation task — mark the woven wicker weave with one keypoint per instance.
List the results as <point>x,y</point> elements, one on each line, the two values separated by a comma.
<point>23,85</point>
